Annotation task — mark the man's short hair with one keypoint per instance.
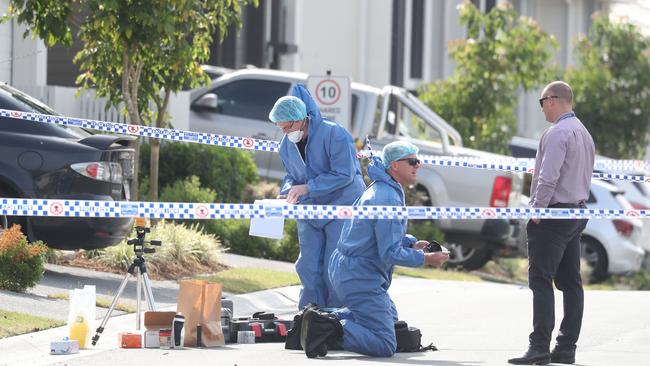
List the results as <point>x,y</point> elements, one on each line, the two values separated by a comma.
<point>561,89</point>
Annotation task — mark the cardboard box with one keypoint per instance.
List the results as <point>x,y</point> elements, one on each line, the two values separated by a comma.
<point>129,340</point>
<point>153,322</point>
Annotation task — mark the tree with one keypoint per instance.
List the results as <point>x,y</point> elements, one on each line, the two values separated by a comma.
<point>611,86</point>
<point>502,55</point>
<point>135,51</point>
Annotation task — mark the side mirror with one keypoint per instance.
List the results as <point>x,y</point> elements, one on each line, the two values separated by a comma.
<point>206,102</point>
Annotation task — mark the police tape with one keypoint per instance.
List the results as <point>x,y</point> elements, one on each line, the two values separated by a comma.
<point>523,166</point>
<point>218,211</point>
<point>507,165</point>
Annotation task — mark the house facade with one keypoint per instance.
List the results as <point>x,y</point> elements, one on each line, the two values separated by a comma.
<point>377,42</point>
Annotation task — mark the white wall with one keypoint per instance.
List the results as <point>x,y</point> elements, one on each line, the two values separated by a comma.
<point>347,37</point>
<point>5,49</point>
<point>29,60</point>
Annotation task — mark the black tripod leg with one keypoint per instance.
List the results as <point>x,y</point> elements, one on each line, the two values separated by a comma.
<point>100,329</point>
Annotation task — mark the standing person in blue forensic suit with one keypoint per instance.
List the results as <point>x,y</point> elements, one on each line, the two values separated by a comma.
<point>361,267</point>
<point>322,168</point>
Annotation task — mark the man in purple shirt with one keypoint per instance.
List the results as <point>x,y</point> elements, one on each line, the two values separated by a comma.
<point>563,169</point>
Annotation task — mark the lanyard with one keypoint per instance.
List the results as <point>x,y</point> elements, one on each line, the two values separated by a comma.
<point>565,116</point>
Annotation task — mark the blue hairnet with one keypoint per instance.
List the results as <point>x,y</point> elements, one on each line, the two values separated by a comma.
<point>397,150</point>
<point>288,109</point>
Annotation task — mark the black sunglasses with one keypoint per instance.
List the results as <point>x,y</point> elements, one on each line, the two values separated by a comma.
<point>412,161</point>
<point>541,100</point>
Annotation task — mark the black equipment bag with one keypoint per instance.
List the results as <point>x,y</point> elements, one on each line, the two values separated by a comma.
<point>409,338</point>
<point>267,327</point>
<point>293,336</point>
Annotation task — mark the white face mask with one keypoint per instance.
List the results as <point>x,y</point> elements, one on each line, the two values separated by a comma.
<point>295,136</point>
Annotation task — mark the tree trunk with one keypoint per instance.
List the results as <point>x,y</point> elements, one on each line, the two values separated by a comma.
<point>130,83</point>
<point>136,170</point>
<point>161,105</point>
<point>153,171</point>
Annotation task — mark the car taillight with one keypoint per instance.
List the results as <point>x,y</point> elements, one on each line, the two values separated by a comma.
<point>639,206</point>
<point>501,192</point>
<point>623,227</point>
<point>104,171</point>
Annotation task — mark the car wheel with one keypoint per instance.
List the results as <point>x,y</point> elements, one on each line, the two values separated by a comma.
<point>596,257</point>
<point>468,258</point>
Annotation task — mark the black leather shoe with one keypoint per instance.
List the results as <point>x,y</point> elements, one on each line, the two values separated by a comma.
<point>563,355</point>
<point>533,356</point>
<point>317,329</point>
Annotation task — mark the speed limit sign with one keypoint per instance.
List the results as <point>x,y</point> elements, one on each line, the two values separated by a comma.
<point>332,94</point>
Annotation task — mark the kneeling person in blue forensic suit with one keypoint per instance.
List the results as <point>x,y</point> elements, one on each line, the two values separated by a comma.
<point>361,267</point>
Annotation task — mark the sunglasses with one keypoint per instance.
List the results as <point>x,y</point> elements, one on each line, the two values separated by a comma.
<point>412,161</point>
<point>541,100</point>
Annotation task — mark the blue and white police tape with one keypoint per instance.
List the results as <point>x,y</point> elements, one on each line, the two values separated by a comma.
<point>514,165</point>
<point>507,165</point>
<point>217,211</point>
<point>146,131</point>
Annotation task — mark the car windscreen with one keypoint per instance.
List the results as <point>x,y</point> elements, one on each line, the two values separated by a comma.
<point>13,99</point>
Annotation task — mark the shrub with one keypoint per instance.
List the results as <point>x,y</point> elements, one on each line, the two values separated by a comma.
<point>425,230</point>
<point>184,251</point>
<point>288,248</point>
<point>21,263</point>
<point>187,190</point>
<point>234,234</point>
<point>223,170</point>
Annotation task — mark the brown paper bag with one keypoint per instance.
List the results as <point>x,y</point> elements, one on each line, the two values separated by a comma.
<point>200,303</point>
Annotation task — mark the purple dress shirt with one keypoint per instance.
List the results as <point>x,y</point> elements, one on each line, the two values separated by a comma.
<point>564,164</point>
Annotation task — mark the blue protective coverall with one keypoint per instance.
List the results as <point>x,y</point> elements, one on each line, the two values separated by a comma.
<point>333,177</point>
<point>361,268</point>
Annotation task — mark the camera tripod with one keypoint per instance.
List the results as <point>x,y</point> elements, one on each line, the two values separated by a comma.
<point>139,270</point>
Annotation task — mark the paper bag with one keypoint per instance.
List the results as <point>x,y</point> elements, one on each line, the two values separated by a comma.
<point>200,303</point>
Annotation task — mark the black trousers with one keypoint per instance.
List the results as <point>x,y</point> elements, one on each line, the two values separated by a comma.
<point>554,256</point>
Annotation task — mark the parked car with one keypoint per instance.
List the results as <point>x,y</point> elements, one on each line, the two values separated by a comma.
<point>637,193</point>
<point>238,104</point>
<point>47,161</point>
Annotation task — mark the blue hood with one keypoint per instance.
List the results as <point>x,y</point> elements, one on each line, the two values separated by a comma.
<point>312,108</point>
<point>377,173</point>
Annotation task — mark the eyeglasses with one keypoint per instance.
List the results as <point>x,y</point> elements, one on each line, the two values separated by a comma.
<point>412,161</point>
<point>541,100</point>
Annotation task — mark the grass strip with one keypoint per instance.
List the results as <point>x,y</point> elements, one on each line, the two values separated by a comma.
<point>12,324</point>
<point>244,280</point>
<point>437,274</point>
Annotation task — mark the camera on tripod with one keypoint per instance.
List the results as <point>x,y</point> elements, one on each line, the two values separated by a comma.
<point>141,229</point>
<point>138,269</point>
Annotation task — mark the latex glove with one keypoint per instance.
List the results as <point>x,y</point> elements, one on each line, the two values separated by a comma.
<point>421,245</point>
<point>435,259</point>
<point>295,192</point>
